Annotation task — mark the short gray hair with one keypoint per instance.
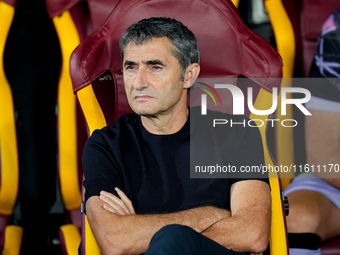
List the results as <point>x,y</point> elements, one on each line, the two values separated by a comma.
<point>185,44</point>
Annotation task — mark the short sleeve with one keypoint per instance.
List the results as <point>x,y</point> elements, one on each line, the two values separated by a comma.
<point>249,157</point>
<point>101,170</point>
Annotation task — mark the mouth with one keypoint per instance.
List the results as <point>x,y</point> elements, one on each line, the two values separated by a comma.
<point>142,97</point>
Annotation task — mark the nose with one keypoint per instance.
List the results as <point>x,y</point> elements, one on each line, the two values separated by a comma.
<point>140,80</point>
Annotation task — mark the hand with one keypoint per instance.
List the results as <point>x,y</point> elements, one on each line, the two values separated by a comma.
<point>120,206</point>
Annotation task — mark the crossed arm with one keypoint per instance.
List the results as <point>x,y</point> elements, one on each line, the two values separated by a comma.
<point>118,230</point>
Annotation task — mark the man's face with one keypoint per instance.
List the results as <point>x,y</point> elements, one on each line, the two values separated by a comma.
<point>152,78</point>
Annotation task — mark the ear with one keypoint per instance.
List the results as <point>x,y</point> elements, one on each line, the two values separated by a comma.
<point>191,73</point>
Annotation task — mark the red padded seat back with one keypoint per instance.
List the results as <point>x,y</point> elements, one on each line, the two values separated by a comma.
<point>227,47</point>
<point>88,15</point>
<point>242,51</point>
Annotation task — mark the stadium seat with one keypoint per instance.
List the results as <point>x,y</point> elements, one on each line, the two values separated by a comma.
<point>306,28</point>
<point>269,18</point>
<point>285,45</point>
<point>10,235</point>
<point>73,21</point>
<point>87,15</point>
<point>95,69</point>
<point>69,138</point>
<point>296,29</point>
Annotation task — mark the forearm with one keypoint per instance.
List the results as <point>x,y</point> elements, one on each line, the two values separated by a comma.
<point>242,234</point>
<point>248,228</point>
<point>131,234</point>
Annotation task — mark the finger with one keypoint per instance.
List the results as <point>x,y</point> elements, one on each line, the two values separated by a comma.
<point>109,208</point>
<point>116,203</point>
<point>126,200</point>
<point>112,201</point>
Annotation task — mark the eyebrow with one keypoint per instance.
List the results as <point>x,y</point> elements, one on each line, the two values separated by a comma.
<point>154,62</point>
<point>129,63</point>
<point>148,62</point>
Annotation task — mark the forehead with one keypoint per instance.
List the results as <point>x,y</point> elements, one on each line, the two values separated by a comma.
<point>154,48</point>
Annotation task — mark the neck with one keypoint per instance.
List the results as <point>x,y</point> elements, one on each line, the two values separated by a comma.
<point>166,124</point>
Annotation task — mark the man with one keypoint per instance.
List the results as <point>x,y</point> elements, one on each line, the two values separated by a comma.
<point>314,198</point>
<point>137,179</point>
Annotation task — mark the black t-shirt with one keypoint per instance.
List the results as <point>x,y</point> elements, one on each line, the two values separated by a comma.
<point>153,170</point>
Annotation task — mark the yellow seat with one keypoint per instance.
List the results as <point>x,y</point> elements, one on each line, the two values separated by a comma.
<point>9,166</point>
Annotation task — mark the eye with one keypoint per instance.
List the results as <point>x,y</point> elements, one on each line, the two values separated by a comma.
<point>156,67</point>
<point>130,67</point>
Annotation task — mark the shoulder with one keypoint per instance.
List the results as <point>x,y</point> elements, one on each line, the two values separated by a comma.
<point>123,127</point>
<point>123,124</point>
